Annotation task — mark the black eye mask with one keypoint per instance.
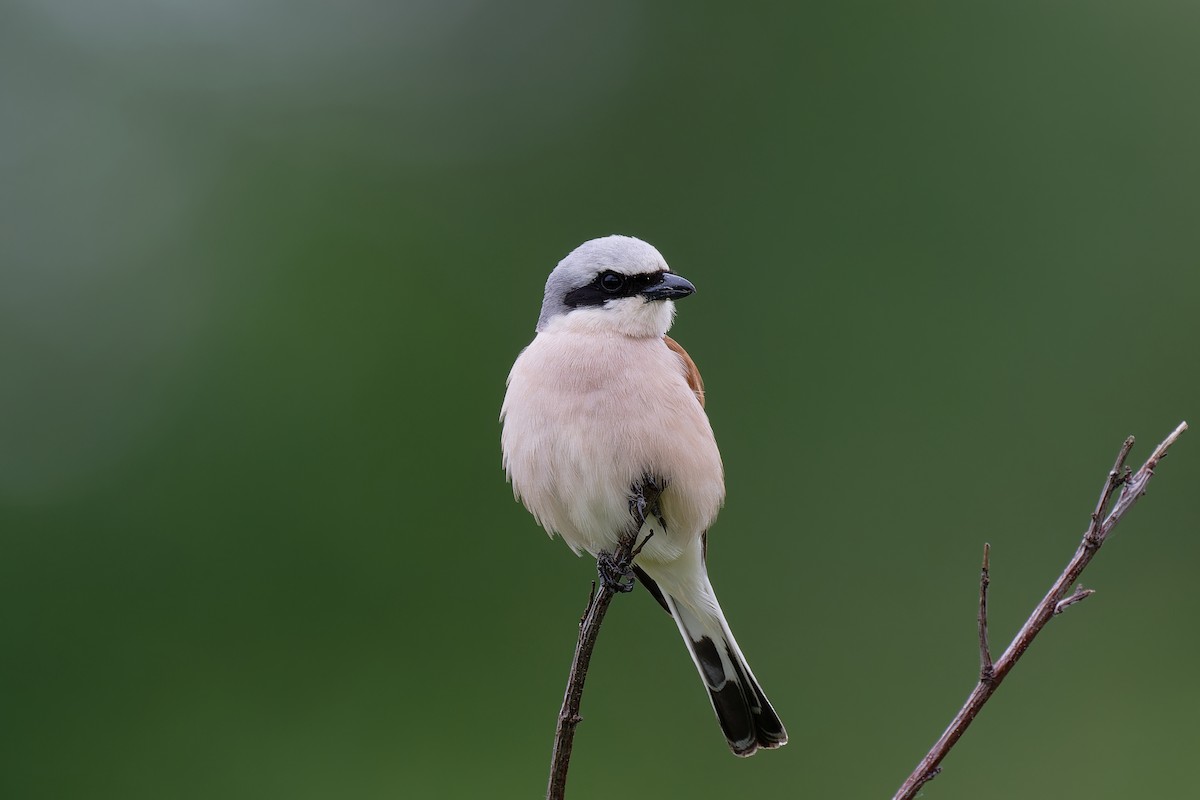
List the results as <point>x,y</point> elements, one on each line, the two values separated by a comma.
<point>610,285</point>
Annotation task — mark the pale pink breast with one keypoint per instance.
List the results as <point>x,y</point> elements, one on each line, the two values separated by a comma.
<point>586,416</point>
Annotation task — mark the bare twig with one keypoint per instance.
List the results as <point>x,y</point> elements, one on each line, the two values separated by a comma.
<point>1080,595</point>
<point>985,651</point>
<point>1132,487</point>
<point>612,568</point>
<point>589,631</point>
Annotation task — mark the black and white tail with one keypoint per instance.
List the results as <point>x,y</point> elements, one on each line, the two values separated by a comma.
<point>744,712</point>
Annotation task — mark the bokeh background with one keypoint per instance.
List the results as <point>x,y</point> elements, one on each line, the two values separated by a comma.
<point>264,268</point>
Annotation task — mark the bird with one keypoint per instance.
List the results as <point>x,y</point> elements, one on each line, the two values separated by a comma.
<point>604,410</point>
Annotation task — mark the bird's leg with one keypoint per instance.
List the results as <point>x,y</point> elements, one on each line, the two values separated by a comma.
<point>644,504</point>
<point>614,569</point>
<point>643,500</point>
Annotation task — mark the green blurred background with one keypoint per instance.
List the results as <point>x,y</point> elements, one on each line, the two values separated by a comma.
<point>264,268</point>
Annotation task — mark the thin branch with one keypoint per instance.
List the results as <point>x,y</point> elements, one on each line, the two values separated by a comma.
<point>986,669</point>
<point>1080,595</point>
<point>589,631</point>
<point>1132,486</point>
<point>612,568</point>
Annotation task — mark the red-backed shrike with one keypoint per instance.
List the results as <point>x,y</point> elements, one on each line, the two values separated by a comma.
<point>603,404</point>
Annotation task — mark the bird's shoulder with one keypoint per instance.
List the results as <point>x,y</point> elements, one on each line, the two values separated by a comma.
<point>690,370</point>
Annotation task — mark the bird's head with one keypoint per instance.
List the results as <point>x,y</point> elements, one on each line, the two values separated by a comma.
<point>617,284</point>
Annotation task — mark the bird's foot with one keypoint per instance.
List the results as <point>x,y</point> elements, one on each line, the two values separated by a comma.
<point>616,572</point>
<point>616,569</point>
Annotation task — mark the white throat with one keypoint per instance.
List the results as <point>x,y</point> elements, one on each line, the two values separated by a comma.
<point>635,317</point>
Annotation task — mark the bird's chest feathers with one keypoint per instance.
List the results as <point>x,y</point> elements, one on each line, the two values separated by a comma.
<point>628,407</point>
<point>601,418</point>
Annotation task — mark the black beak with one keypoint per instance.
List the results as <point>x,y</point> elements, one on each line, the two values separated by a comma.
<point>671,287</point>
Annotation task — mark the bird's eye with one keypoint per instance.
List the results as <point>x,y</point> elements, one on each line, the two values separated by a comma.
<point>611,282</point>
